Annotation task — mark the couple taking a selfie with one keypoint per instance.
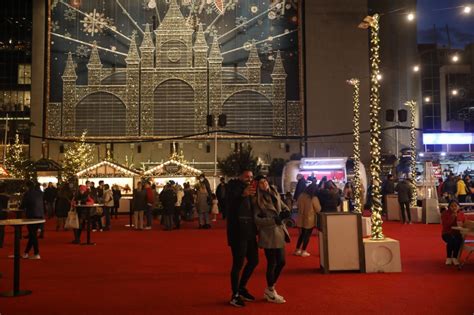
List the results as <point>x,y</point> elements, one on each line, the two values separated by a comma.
<point>255,215</point>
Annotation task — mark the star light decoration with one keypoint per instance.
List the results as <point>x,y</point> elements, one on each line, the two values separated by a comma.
<point>412,105</point>
<point>355,83</point>
<point>372,22</point>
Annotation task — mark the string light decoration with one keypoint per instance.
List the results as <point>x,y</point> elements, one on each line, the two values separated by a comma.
<point>412,106</point>
<point>77,156</point>
<point>372,22</point>
<point>356,130</point>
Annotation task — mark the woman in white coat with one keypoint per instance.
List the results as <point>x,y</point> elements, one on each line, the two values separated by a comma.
<point>272,234</point>
<point>308,206</point>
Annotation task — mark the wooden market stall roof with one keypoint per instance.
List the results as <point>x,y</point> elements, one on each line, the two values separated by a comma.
<point>107,169</point>
<point>173,167</point>
<point>3,172</point>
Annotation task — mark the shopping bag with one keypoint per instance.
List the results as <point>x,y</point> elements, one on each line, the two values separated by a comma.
<point>72,221</point>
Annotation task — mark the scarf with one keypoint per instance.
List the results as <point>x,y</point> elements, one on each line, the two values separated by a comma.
<point>268,200</point>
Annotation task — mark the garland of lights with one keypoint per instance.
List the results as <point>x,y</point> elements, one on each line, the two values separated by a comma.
<point>356,130</point>
<point>412,106</point>
<point>377,232</point>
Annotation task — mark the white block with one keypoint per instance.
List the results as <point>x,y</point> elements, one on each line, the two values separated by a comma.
<point>431,211</point>
<point>416,214</point>
<point>382,255</point>
<point>366,226</point>
<point>393,208</point>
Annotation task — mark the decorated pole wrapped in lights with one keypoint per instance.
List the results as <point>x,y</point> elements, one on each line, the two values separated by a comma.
<point>412,105</point>
<point>372,22</point>
<point>356,155</point>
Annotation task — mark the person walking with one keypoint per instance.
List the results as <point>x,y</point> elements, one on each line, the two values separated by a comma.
<point>453,216</point>
<point>404,191</point>
<point>272,234</point>
<point>139,205</point>
<point>214,207</point>
<point>168,200</point>
<point>177,207</point>
<point>33,204</point>
<point>49,196</point>
<point>150,201</point>
<point>203,207</point>
<point>4,198</point>
<point>241,235</point>
<point>63,205</point>
<point>108,205</point>
<point>117,194</point>
<point>308,207</point>
<point>220,193</point>
<point>461,190</point>
<point>188,202</point>
<point>329,197</point>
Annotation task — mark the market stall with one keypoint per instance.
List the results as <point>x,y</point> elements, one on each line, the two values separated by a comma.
<point>112,173</point>
<point>172,170</point>
<point>47,171</point>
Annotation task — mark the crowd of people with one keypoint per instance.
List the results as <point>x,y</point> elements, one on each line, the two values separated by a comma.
<point>255,213</point>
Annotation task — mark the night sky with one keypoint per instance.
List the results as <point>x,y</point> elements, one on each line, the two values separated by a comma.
<point>442,13</point>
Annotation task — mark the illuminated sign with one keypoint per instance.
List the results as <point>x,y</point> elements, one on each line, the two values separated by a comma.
<point>322,163</point>
<point>448,138</point>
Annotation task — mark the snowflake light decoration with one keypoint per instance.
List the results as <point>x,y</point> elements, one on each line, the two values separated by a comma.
<point>69,14</point>
<point>241,23</point>
<point>55,26</point>
<point>82,51</point>
<point>95,22</point>
<point>231,5</point>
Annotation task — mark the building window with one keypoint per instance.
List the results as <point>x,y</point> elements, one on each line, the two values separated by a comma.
<point>14,100</point>
<point>24,74</point>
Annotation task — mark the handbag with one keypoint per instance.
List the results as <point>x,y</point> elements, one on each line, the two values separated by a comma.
<point>72,220</point>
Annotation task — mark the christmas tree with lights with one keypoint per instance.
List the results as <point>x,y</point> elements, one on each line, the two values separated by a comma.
<point>16,161</point>
<point>77,156</point>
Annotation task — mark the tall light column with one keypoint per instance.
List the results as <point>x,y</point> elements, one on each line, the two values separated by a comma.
<point>372,22</point>
<point>356,154</point>
<point>412,106</point>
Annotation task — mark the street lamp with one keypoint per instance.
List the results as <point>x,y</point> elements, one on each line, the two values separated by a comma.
<point>411,16</point>
<point>372,22</point>
<point>455,58</point>
<point>467,9</point>
<point>427,99</point>
<point>416,68</point>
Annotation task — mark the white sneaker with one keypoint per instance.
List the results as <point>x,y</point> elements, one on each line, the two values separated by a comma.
<point>35,257</point>
<point>25,256</point>
<point>455,262</point>
<point>297,252</point>
<point>305,254</point>
<point>449,261</point>
<point>147,228</point>
<point>272,296</point>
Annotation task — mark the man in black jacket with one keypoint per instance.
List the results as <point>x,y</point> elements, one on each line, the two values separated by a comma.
<point>241,235</point>
<point>33,204</point>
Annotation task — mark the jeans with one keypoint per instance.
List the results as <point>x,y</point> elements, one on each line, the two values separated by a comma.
<point>241,250</point>
<point>107,216</point>
<point>405,206</point>
<point>453,244</point>
<point>204,218</point>
<point>32,238</point>
<point>304,237</point>
<point>275,263</point>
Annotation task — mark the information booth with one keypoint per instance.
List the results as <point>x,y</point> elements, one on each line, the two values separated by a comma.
<point>112,173</point>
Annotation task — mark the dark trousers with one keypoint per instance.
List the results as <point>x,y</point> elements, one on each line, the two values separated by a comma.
<point>168,221</point>
<point>275,263</point>
<point>304,237</point>
<point>115,211</point>
<point>405,206</point>
<point>453,244</point>
<point>177,217</point>
<point>222,209</point>
<point>240,251</point>
<point>149,215</point>
<point>32,238</point>
<point>462,198</point>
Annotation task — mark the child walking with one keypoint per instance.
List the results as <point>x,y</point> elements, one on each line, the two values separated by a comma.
<point>214,207</point>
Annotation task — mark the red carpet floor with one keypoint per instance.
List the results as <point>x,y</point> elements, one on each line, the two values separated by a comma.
<point>187,272</point>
